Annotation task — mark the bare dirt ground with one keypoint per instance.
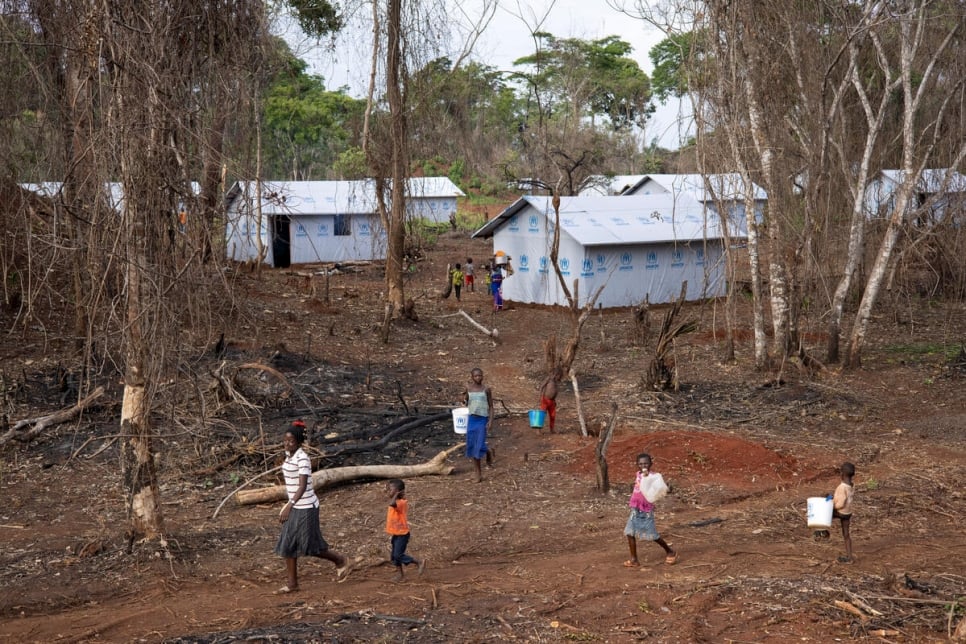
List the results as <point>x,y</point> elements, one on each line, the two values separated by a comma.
<point>534,552</point>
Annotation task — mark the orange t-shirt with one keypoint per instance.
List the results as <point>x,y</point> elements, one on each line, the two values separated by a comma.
<point>396,522</point>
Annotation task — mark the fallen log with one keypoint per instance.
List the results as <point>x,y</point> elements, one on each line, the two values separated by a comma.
<point>494,333</point>
<point>21,433</point>
<point>324,478</point>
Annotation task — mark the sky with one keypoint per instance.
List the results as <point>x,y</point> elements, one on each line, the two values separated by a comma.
<point>506,38</point>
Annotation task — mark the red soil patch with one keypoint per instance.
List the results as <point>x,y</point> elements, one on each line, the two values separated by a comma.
<point>698,458</point>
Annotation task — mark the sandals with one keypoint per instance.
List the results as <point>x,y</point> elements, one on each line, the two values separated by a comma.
<point>342,573</point>
<point>285,590</point>
<point>671,559</point>
<point>630,563</point>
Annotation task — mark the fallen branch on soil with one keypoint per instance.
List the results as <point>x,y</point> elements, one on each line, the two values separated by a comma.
<point>324,478</point>
<point>495,334</point>
<point>20,433</point>
<point>705,522</point>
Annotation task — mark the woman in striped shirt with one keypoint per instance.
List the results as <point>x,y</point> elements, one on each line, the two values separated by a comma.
<point>301,535</point>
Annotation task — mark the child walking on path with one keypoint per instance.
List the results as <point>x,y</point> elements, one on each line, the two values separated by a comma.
<point>397,525</point>
<point>842,507</point>
<point>548,396</point>
<point>649,487</point>
<point>457,281</point>
<point>301,535</point>
<point>469,271</point>
<point>479,399</point>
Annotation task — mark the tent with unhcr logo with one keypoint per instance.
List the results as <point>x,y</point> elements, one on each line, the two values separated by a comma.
<point>633,246</point>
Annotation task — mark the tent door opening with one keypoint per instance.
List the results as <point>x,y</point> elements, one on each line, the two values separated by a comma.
<point>281,241</point>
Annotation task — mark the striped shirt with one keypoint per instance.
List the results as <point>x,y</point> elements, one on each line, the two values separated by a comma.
<point>295,465</point>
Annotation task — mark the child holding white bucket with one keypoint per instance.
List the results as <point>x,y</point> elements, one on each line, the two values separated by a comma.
<point>649,488</point>
<point>842,507</point>
<point>478,398</point>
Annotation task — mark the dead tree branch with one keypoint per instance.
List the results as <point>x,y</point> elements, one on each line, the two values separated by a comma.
<point>324,478</point>
<point>20,432</point>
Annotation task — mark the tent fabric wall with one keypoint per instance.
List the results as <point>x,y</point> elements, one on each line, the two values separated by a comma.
<point>604,244</point>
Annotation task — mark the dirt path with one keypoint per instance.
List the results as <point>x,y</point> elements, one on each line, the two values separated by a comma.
<point>534,552</point>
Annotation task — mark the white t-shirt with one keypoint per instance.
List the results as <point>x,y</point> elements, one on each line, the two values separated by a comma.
<point>296,464</point>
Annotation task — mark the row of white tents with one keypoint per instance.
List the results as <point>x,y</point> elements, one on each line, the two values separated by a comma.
<point>631,235</point>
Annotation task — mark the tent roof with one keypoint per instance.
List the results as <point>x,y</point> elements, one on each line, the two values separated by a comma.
<point>604,186</point>
<point>599,221</point>
<point>932,180</point>
<point>728,186</point>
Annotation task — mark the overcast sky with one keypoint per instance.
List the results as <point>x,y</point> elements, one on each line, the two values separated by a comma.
<point>506,38</point>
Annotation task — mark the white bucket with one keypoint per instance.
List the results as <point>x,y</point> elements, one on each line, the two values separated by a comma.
<point>819,512</point>
<point>461,418</point>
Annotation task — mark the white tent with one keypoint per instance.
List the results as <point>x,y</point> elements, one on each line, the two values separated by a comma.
<point>942,192</point>
<point>304,222</point>
<point>432,198</point>
<point>632,246</point>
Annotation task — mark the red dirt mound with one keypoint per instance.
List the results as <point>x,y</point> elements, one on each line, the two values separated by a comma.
<point>698,458</point>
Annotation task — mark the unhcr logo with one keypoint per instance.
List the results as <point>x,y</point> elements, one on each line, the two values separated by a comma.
<point>300,231</point>
<point>587,270</point>
<point>524,264</point>
<point>565,266</point>
<point>677,258</point>
<point>544,263</point>
<point>513,224</point>
<point>601,263</point>
<point>626,262</point>
<point>322,230</point>
<point>532,224</point>
<point>652,263</point>
<point>364,230</point>
<point>699,257</point>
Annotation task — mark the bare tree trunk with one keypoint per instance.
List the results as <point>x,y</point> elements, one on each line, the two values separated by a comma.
<point>397,132</point>
<point>603,482</point>
<point>874,118</point>
<point>915,85</point>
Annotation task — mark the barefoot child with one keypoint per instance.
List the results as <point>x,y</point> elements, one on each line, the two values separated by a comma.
<point>479,399</point>
<point>842,507</point>
<point>301,535</point>
<point>649,488</point>
<point>397,525</point>
<point>548,396</point>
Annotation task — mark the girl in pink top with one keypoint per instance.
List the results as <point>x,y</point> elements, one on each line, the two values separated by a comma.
<point>640,524</point>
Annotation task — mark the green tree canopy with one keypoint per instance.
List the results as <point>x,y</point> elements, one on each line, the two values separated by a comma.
<point>306,126</point>
<point>593,78</point>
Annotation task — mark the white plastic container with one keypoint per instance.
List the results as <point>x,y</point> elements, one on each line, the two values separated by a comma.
<point>819,512</point>
<point>653,487</point>
<point>461,418</point>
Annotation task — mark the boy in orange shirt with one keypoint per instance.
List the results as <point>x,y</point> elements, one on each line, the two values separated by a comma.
<point>397,525</point>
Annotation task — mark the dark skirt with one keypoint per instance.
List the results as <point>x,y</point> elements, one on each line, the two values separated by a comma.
<point>476,436</point>
<point>301,535</point>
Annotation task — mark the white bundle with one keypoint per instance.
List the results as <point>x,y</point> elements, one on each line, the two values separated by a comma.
<point>653,487</point>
